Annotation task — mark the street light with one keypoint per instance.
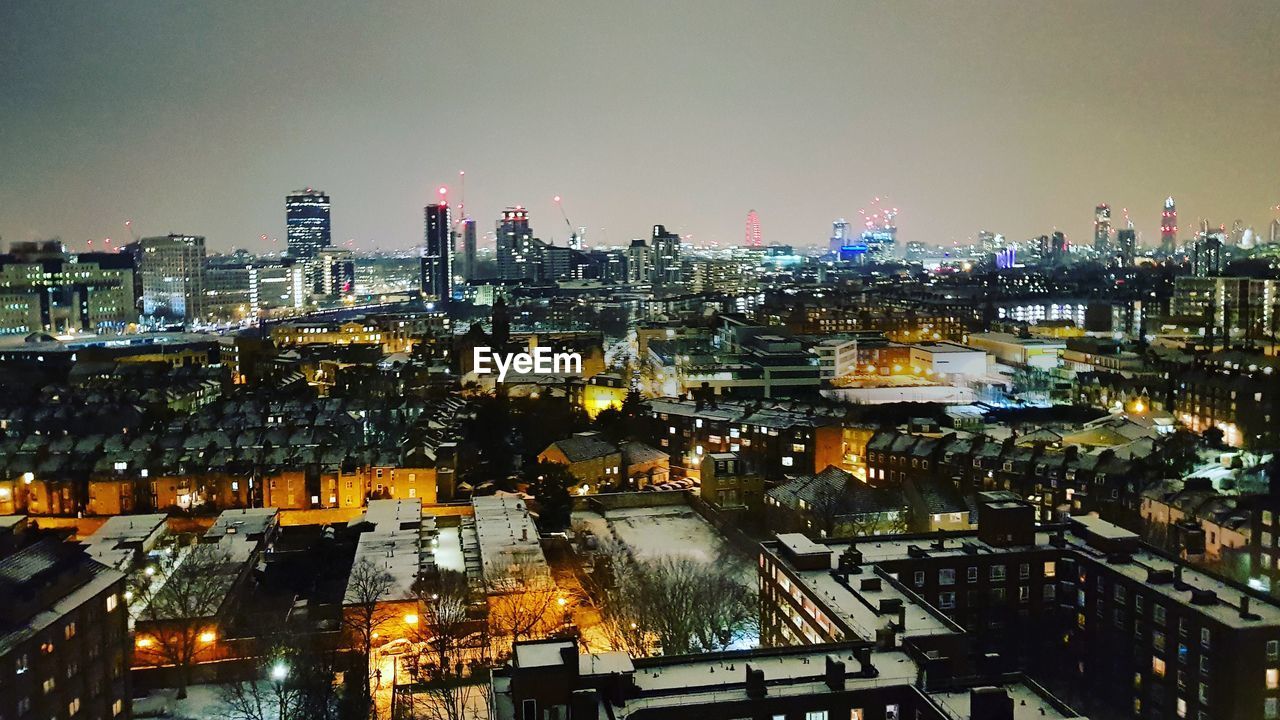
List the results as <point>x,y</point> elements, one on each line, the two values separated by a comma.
<point>280,671</point>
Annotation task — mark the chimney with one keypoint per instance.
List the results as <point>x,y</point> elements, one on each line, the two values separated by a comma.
<point>835,674</point>
<point>755,684</point>
<point>865,668</point>
<point>584,705</point>
<point>886,638</point>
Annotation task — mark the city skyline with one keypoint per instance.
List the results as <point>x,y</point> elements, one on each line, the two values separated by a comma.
<point>979,132</point>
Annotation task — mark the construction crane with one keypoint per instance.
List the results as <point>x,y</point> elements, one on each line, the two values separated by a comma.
<point>575,242</point>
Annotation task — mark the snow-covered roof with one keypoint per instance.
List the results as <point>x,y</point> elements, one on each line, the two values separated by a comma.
<point>507,536</point>
<point>398,542</point>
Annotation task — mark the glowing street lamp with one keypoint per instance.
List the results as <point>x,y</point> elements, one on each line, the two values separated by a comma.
<point>279,672</point>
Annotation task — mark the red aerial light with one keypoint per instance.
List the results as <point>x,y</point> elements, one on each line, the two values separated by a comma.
<point>443,190</point>
<point>556,199</point>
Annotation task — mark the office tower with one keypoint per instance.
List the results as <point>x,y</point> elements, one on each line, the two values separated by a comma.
<point>335,272</point>
<point>880,233</point>
<point>43,288</point>
<point>1237,232</point>
<point>839,235</point>
<point>306,217</point>
<point>172,271</point>
<point>666,256</point>
<point>987,243</point>
<point>1102,230</point>
<point>1169,228</point>
<point>1054,248</point>
<point>437,254</point>
<point>613,264</point>
<point>468,269</point>
<point>518,257</point>
<point>1126,246</point>
<point>639,263</point>
<point>1206,255</point>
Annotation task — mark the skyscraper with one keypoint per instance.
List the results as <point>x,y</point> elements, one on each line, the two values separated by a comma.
<point>666,256</point>
<point>1169,228</point>
<point>517,248</point>
<point>468,249</point>
<point>1206,255</point>
<point>639,263</point>
<point>306,217</point>
<point>1102,230</point>
<point>172,269</point>
<point>753,237</point>
<point>839,235</point>
<point>437,253</point>
<point>1126,246</point>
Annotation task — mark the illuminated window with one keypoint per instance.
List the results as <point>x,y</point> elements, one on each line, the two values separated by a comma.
<point>1157,666</point>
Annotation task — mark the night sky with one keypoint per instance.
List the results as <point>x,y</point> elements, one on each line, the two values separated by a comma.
<point>1017,116</point>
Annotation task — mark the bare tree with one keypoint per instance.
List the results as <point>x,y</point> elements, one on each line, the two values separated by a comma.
<point>446,617</point>
<point>521,600</point>
<point>295,681</point>
<point>444,698</point>
<point>674,604</point>
<point>180,603</point>
<point>365,611</point>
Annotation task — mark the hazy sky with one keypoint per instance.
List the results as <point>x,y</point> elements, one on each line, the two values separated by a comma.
<point>1016,116</point>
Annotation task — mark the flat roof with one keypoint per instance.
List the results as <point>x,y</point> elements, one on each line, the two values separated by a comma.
<point>398,542</point>
<point>1028,702</point>
<point>507,536</point>
<point>120,538</point>
<point>244,521</point>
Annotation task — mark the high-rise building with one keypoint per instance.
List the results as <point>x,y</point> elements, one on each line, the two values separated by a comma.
<point>306,217</point>
<point>666,256</point>
<point>639,263</point>
<point>839,235</point>
<point>518,257</point>
<point>1206,255</point>
<point>1273,234</point>
<point>43,288</point>
<point>437,254</point>
<point>1126,246</point>
<point>335,270</point>
<point>1102,230</point>
<point>1169,228</point>
<point>468,269</point>
<point>1054,248</point>
<point>753,237</point>
<point>172,271</point>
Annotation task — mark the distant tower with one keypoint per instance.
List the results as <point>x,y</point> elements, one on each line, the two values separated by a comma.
<point>437,252</point>
<point>306,217</point>
<point>753,238</point>
<point>839,235</point>
<point>1102,230</point>
<point>1169,228</point>
<point>665,247</point>
<point>517,248</point>
<point>469,248</point>
<point>1126,247</point>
